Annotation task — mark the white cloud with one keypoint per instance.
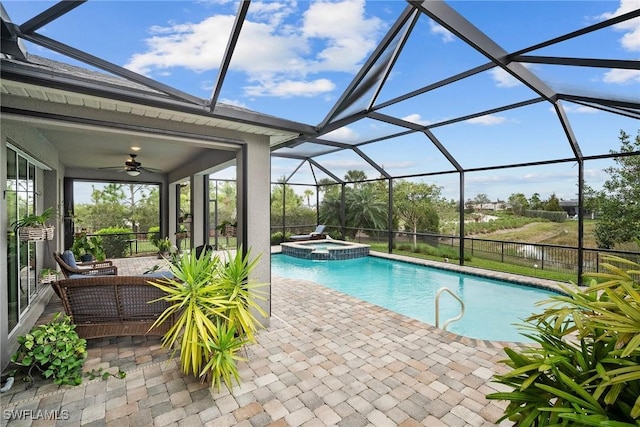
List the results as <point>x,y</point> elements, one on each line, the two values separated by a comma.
<point>631,39</point>
<point>388,166</point>
<point>503,79</point>
<point>619,76</point>
<point>487,120</point>
<point>417,119</point>
<point>289,88</point>
<point>577,109</point>
<point>343,134</point>
<point>439,30</point>
<point>340,167</point>
<point>276,57</point>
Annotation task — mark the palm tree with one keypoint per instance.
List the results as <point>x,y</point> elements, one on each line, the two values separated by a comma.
<point>355,176</point>
<point>308,193</point>
<point>364,208</point>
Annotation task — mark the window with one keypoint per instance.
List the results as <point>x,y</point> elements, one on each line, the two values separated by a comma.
<point>21,256</point>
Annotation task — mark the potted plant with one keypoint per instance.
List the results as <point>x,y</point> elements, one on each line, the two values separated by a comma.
<point>85,248</point>
<point>34,227</point>
<point>48,275</point>
<point>214,303</point>
<point>164,247</point>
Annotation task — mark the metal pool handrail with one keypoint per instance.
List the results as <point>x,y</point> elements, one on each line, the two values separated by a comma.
<point>453,319</point>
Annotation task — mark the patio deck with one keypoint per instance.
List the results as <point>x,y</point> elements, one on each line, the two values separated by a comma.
<point>327,359</point>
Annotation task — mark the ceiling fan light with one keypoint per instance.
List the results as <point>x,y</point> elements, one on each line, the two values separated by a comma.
<point>133,172</point>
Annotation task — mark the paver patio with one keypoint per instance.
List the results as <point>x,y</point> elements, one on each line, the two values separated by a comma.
<point>327,359</point>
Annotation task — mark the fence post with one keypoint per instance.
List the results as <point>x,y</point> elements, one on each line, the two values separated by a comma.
<point>542,260</point>
<point>502,252</point>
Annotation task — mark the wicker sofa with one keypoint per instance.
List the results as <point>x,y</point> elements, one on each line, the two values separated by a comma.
<point>109,306</point>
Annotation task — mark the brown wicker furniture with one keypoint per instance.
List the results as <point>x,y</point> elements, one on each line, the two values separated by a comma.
<point>69,268</point>
<point>110,306</point>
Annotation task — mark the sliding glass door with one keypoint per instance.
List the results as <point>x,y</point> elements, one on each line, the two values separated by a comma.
<point>21,255</point>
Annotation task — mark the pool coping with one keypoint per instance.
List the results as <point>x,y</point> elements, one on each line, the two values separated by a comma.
<point>517,279</point>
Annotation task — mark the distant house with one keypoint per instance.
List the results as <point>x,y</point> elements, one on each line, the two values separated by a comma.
<point>571,208</point>
<point>491,206</point>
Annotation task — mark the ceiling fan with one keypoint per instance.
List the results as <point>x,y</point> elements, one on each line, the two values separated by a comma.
<point>133,167</point>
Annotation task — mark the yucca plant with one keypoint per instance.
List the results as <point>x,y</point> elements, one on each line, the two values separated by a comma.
<point>241,292</point>
<point>222,355</point>
<point>210,298</point>
<point>585,370</point>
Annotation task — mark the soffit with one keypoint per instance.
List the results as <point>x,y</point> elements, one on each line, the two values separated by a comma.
<point>43,93</point>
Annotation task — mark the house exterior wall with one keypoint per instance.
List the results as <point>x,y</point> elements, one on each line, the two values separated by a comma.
<point>254,204</point>
<point>36,146</point>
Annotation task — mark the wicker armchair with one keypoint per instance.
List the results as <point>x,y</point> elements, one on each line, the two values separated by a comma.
<point>67,263</point>
<point>111,306</point>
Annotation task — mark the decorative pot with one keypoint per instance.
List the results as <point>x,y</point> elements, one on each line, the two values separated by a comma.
<point>48,278</point>
<point>36,234</point>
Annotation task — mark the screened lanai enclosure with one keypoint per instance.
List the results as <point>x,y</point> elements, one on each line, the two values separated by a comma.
<point>488,121</point>
<point>397,123</point>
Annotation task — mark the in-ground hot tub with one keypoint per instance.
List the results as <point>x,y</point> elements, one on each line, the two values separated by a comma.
<point>325,249</point>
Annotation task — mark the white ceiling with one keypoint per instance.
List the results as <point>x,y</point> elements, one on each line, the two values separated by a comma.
<point>81,148</point>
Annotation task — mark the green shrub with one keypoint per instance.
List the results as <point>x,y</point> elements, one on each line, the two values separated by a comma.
<point>585,369</point>
<point>406,247</point>
<point>335,234</point>
<point>499,224</point>
<point>154,235</point>
<point>55,350</point>
<point>278,237</point>
<point>115,241</point>
<point>555,216</point>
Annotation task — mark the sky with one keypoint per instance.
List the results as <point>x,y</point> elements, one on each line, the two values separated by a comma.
<point>294,59</point>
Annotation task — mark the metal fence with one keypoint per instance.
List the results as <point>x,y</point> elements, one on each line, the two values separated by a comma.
<point>563,259</point>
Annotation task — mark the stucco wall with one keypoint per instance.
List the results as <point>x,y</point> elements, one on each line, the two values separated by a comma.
<point>257,171</point>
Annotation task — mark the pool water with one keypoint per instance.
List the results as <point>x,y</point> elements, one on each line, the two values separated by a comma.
<point>493,307</point>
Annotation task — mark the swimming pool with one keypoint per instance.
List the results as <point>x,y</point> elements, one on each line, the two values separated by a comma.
<point>492,306</point>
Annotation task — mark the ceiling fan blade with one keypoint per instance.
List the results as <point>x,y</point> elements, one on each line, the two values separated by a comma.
<point>150,170</point>
<point>132,165</point>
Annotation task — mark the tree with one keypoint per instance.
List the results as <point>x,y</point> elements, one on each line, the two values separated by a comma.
<point>365,208</point>
<point>132,206</point>
<point>106,210</point>
<point>414,205</point>
<point>308,193</point>
<point>355,176</point>
<point>326,184</point>
<point>295,210</point>
<point>518,203</point>
<point>535,202</point>
<point>619,200</point>
<point>225,194</point>
<point>147,210</point>
<point>482,199</point>
<point>552,203</point>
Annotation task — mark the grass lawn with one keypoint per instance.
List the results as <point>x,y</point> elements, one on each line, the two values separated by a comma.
<point>489,265</point>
